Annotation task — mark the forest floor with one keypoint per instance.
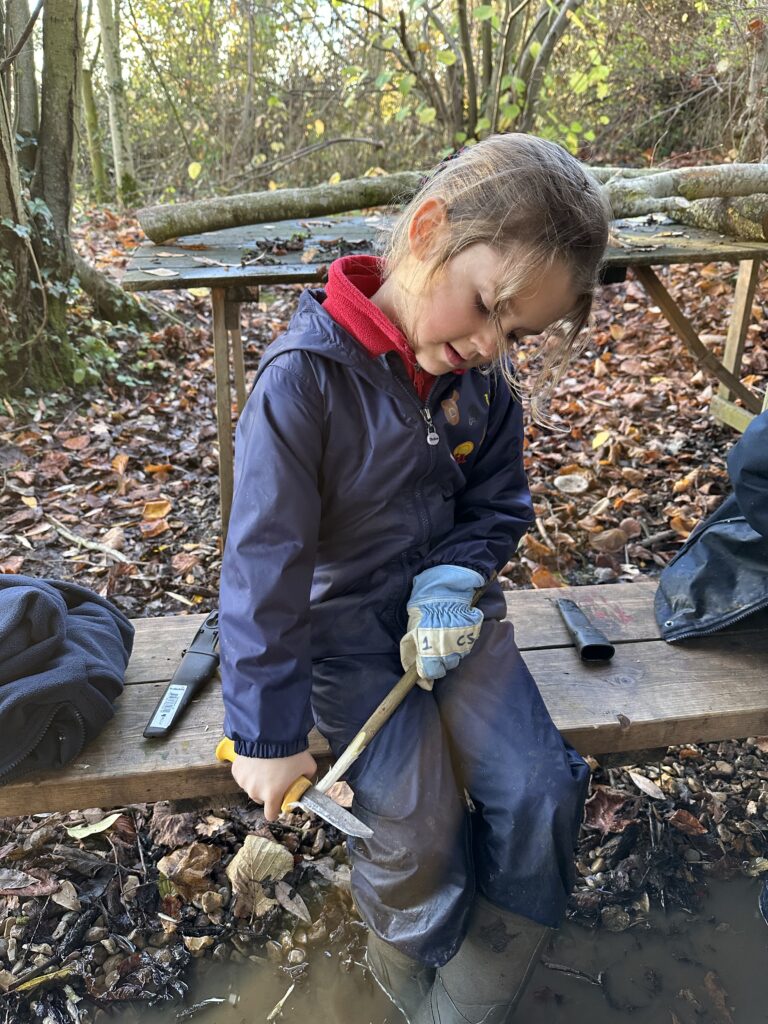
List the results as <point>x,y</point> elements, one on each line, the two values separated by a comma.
<point>116,489</point>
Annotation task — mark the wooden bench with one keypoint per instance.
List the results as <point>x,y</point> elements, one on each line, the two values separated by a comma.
<point>651,694</point>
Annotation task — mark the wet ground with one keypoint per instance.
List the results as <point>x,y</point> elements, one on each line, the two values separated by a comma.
<point>710,968</point>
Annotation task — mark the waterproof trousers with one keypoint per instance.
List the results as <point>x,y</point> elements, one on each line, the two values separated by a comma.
<point>469,788</point>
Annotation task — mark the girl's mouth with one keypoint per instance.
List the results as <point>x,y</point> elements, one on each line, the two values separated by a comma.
<point>453,356</point>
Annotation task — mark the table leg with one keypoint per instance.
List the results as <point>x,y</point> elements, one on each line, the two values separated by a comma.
<point>691,340</point>
<point>746,282</point>
<point>223,406</point>
<point>236,346</point>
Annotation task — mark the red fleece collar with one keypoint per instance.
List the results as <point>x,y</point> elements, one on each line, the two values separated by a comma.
<point>352,280</point>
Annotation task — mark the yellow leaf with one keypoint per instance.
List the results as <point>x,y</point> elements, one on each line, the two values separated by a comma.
<point>600,438</point>
<point>335,178</point>
<point>156,509</point>
<point>194,170</point>
<point>319,126</point>
<point>199,293</point>
<point>119,464</point>
<point>30,502</point>
<point>272,186</point>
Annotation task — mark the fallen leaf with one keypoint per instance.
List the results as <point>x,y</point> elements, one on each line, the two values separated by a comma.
<point>83,831</point>
<point>602,811</point>
<point>190,867</point>
<point>120,463</point>
<point>156,509</point>
<point>114,538</point>
<point>572,483</point>
<point>686,823</point>
<point>543,579</point>
<point>609,540</point>
<point>67,897</point>
<point>646,786</point>
<point>76,444</point>
<point>293,904</point>
<point>601,438</point>
<point>153,528</point>
<point>12,565</point>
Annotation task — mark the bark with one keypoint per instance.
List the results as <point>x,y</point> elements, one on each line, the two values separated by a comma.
<point>163,222</point>
<point>536,80</point>
<point>93,138</point>
<point>26,107</point>
<point>110,301</point>
<point>743,217</point>
<point>634,197</point>
<point>54,173</point>
<point>469,66</point>
<point>125,178</point>
<point>754,141</point>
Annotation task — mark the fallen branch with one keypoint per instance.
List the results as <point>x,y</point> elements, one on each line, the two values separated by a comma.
<point>92,545</point>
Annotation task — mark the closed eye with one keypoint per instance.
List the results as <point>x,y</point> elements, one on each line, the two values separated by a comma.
<point>481,306</point>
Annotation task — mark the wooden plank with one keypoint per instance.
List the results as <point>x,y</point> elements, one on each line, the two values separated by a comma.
<point>746,282</point>
<point>691,340</point>
<point>729,414</point>
<point>650,695</point>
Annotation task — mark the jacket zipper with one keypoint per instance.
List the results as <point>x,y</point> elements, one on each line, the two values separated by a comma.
<point>722,625</point>
<point>41,732</point>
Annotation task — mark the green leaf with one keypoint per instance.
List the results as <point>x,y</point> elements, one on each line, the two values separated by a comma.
<point>483,124</point>
<point>535,49</point>
<point>446,57</point>
<point>78,377</point>
<point>427,115</point>
<point>460,137</point>
<point>576,126</point>
<point>484,12</point>
<point>506,82</point>
<point>589,136</point>
<point>604,119</point>
<point>406,84</point>
<point>382,79</point>
<point>602,90</point>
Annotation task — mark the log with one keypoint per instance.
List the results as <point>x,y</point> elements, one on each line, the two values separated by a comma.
<point>630,195</point>
<point>743,217</point>
<point>161,223</point>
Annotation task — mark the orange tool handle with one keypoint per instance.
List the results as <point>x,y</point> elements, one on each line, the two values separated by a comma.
<point>225,751</point>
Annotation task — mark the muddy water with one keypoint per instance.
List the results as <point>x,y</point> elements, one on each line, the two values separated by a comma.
<point>656,976</point>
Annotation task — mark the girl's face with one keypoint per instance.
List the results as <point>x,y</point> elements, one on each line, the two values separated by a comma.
<point>451,328</point>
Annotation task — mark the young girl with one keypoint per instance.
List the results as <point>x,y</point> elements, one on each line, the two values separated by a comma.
<point>380,486</point>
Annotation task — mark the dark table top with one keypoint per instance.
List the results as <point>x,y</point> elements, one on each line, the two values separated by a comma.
<point>291,251</point>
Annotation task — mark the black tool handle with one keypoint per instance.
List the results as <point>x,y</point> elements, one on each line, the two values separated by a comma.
<point>591,643</point>
<point>193,673</point>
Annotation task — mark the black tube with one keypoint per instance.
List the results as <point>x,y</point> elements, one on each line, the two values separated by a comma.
<point>591,643</point>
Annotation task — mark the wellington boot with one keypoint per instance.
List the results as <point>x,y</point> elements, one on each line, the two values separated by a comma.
<point>406,981</point>
<point>483,983</point>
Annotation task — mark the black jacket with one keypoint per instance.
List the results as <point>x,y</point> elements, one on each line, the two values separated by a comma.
<point>63,654</point>
<point>720,575</point>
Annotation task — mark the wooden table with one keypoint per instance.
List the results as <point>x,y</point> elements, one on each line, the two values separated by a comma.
<point>650,695</point>
<point>234,263</point>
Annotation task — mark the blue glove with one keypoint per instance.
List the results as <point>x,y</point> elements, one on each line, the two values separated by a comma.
<point>442,625</point>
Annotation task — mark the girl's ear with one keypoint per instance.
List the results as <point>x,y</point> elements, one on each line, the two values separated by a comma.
<point>425,227</point>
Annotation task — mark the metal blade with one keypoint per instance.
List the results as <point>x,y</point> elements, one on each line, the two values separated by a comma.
<point>315,802</point>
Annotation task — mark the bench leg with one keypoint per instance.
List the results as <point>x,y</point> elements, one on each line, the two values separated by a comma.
<point>685,330</point>
<point>223,406</point>
<point>236,345</point>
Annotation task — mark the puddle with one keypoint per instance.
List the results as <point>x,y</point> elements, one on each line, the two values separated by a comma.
<point>663,975</point>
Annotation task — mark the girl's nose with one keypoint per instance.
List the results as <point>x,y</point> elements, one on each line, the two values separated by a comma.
<point>486,342</point>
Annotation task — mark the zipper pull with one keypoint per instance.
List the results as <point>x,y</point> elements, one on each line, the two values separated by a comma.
<point>432,435</point>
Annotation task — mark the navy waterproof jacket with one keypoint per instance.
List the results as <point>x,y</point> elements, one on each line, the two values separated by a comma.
<point>720,575</point>
<point>343,493</point>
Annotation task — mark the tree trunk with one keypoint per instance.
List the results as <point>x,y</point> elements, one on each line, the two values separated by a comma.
<point>742,217</point>
<point>125,177</point>
<point>754,141</point>
<point>54,172</point>
<point>635,197</point>
<point>93,138</point>
<point>25,105</point>
<point>163,222</point>
<point>536,80</point>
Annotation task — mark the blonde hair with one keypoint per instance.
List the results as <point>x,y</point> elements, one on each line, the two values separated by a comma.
<point>536,206</point>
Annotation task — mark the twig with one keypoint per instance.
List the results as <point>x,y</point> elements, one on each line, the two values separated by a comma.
<point>22,38</point>
<point>92,545</point>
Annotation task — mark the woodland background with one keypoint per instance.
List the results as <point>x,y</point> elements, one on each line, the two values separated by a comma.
<point>107,422</point>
